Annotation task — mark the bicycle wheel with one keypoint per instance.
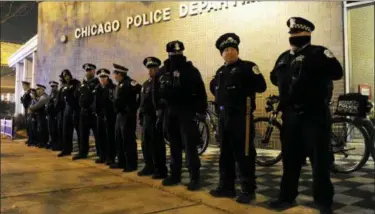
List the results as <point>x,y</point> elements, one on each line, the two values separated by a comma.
<point>204,133</point>
<point>267,141</point>
<point>347,136</point>
<point>369,126</point>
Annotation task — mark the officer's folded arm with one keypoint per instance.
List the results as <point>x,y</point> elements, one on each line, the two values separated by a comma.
<point>332,65</point>
<point>258,83</point>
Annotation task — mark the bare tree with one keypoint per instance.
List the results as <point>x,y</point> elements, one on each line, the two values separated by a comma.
<point>14,9</point>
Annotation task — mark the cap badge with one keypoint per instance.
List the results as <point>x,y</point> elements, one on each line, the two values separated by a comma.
<point>292,23</point>
<point>177,46</point>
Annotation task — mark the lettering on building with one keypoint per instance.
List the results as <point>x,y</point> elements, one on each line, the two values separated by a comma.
<point>97,29</point>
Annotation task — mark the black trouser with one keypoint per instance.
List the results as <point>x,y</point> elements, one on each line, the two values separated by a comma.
<point>87,122</point>
<point>153,145</point>
<point>183,133</point>
<point>307,134</point>
<point>60,133</point>
<point>42,136</point>
<point>32,129</point>
<point>106,137</point>
<point>232,132</point>
<point>71,122</point>
<point>52,130</point>
<point>125,140</point>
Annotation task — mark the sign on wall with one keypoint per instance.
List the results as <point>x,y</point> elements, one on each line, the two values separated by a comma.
<point>157,16</point>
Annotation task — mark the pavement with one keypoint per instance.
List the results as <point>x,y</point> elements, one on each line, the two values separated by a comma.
<point>34,180</point>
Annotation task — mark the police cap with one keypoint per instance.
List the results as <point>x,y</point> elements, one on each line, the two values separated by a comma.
<point>65,72</point>
<point>151,62</point>
<point>25,83</point>
<point>298,24</point>
<point>53,83</point>
<point>227,40</point>
<point>40,86</point>
<point>103,72</point>
<point>175,46</point>
<point>88,67</point>
<point>119,68</point>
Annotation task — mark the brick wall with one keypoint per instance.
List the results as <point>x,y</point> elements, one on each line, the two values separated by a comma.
<point>260,25</point>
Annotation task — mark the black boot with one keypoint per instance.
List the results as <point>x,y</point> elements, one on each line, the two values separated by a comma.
<point>117,166</point>
<point>194,183</point>
<point>223,192</point>
<point>62,154</point>
<point>280,203</point>
<point>160,174</point>
<point>245,197</point>
<point>171,180</point>
<point>109,162</point>
<point>79,156</point>
<point>99,160</point>
<point>325,210</point>
<point>130,169</point>
<point>146,171</point>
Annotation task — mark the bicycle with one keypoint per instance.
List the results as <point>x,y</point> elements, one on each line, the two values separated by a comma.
<point>212,118</point>
<point>204,133</point>
<point>268,150</point>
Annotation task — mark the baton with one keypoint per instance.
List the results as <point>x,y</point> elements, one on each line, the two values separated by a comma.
<point>248,122</point>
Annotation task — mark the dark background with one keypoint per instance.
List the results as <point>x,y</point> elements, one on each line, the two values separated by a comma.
<point>19,29</point>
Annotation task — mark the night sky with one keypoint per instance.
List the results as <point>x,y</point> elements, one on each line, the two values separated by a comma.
<point>19,29</point>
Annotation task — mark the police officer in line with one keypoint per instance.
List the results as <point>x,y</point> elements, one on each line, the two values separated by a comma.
<point>153,145</point>
<point>126,105</point>
<point>304,75</point>
<point>183,91</point>
<point>106,117</point>
<point>52,115</point>
<point>71,112</point>
<point>32,124</point>
<point>59,108</point>
<point>87,120</point>
<point>26,101</point>
<point>39,108</point>
<point>235,86</point>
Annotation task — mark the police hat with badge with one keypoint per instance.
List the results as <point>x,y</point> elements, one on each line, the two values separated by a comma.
<point>151,62</point>
<point>103,72</point>
<point>119,69</point>
<point>40,86</point>
<point>89,67</point>
<point>298,24</point>
<point>227,40</point>
<point>175,47</point>
<point>53,83</point>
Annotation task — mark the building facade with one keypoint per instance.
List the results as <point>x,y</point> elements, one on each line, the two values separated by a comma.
<point>73,33</point>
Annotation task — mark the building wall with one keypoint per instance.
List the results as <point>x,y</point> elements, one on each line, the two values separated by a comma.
<point>260,25</point>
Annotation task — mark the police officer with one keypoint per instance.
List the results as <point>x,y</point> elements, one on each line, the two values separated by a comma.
<point>303,76</point>
<point>26,101</point>
<point>32,120</point>
<point>52,115</point>
<point>235,86</point>
<point>103,107</point>
<point>59,108</point>
<point>126,104</point>
<point>39,108</point>
<point>87,118</point>
<point>153,145</point>
<point>71,112</point>
<point>183,91</point>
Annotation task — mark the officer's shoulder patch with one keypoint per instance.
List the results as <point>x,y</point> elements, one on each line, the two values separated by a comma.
<point>328,53</point>
<point>256,69</point>
<point>93,91</point>
<point>82,85</point>
<point>133,83</point>
<point>120,85</point>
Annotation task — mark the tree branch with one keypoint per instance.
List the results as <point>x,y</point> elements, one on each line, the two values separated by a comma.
<point>21,10</point>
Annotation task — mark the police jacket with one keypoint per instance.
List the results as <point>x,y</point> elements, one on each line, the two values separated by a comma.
<point>86,95</point>
<point>148,105</point>
<point>304,78</point>
<point>50,106</point>
<point>39,106</point>
<point>26,99</point>
<point>234,83</point>
<point>182,86</point>
<point>71,93</point>
<point>60,102</point>
<point>104,99</point>
<point>126,96</point>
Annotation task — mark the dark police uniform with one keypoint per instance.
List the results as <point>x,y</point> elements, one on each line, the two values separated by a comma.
<point>304,78</point>
<point>106,118</point>
<point>126,105</point>
<point>153,145</point>
<point>26,101</point>
<point>52,116</point>
<point>71,113</point>
<point>60,108</point>
<point>232,86</point>
<point>32,120</point>
<point>183,91</point>
<point>39,108</point>
<point>87,120</point>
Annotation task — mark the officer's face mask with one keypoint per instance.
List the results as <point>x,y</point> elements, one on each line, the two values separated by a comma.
<point>176,58</point>
<point>299,41</point>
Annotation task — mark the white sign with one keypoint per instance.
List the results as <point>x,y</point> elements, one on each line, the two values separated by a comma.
<point>97,29</point>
